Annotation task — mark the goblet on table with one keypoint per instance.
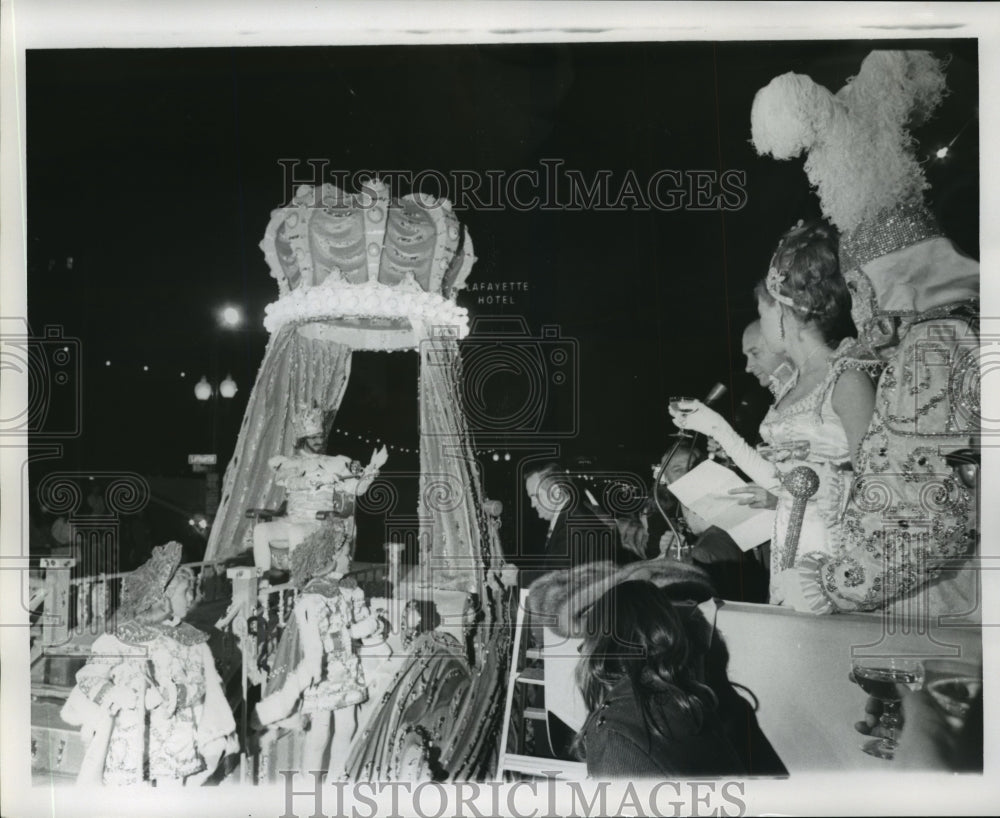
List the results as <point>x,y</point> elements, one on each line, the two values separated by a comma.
<point>879,676</point>
<point>954,684</point>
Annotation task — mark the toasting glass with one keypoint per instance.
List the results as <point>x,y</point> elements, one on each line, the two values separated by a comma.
<point>879,676</point>
<point>683,406</point>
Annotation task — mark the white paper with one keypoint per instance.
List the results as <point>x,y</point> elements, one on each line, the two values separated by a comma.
<point>705,490</point>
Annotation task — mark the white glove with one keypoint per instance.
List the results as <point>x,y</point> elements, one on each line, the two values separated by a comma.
<point>711,423</point>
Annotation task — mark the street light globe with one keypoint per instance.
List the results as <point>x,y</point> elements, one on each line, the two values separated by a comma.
<point>203,389</point>
<point>231,316</point>
<point>228,387</point>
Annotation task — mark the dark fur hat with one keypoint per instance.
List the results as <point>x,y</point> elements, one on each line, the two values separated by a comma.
<point>560,599</point>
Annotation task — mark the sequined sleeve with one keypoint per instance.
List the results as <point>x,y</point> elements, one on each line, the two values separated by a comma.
<point>109,661</point>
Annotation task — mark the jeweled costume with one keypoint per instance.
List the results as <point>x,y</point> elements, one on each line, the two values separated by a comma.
<point>330,615</point>
<point>178,717</point>
<point>365,271</point>
<point>811,420</point>
<point>910,521</point>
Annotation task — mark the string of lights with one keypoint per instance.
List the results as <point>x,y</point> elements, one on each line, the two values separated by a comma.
<point>370,439</point>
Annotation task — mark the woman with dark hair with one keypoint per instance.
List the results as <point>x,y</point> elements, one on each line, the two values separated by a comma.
<point>642,677</point>
<point>822,413</point>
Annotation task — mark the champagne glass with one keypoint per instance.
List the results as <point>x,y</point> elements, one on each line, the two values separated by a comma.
<point>683,406</point>
<point>879,676</point>
<point>954,684</point>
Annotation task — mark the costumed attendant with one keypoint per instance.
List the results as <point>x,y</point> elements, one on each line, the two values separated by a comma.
<point>910,521</point>
<point>150,702</point>
<point>316,484</point>
<point>821,413</point>
<point>317,666</point>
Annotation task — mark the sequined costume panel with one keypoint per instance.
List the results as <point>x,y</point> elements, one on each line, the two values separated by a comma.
<point>173,751</point>
<point>310,481</point>
<point>123,761</point>
<point>812,420</point>
<point>909,515</point>
<point>342,683</point>
<point>162,742</point>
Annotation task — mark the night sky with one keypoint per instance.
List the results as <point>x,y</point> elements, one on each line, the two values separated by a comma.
<point>155,171</point>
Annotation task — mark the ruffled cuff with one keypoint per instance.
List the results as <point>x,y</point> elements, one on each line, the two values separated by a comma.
<point>813,594</point>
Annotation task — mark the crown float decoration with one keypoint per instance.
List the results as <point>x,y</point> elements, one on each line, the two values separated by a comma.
<point>365,270</point>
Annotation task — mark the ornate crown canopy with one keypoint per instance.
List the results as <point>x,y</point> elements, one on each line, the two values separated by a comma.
<point>361,269</point>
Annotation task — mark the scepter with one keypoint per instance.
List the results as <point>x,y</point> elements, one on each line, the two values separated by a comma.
<point>802,483</point>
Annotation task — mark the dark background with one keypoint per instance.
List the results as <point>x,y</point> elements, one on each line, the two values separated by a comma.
<point>155,171</point>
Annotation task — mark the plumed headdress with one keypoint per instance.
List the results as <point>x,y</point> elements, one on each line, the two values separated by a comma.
<point>860,152</point>
<point>862,162</point>
<point>319,551</point>
<point>147,584</point>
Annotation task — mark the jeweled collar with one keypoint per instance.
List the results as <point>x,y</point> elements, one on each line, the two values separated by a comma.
<point>887,232</point>
<point>329,586</point>
<point>138,633</point>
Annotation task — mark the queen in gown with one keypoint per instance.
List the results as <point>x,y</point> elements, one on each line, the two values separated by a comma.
<point>822,412</point>
<point>910,528</point>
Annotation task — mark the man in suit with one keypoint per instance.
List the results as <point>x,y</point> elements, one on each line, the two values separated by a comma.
<point>771,370</point>
<point>579,530</point>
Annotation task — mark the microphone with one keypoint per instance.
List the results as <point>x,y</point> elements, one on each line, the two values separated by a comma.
<point>715,393</point>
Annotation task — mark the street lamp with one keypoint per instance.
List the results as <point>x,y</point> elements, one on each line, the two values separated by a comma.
<point>203,389</point>
<point>228,387</point>
<point>230,316</point>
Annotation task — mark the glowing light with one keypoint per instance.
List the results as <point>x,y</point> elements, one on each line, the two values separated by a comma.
<point>107,363</point>
<point>145,369</point>
<point>231,316</point>
<point>941,153</point>
<point>203,389</point>
<point>228,387</point>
